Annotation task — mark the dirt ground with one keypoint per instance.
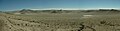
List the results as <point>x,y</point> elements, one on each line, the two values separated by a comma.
<point>92,21</point>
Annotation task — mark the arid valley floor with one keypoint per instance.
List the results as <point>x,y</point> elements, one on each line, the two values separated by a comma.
<point>60,20</point>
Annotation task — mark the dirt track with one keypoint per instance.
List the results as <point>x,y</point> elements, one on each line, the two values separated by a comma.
<point>60,22</point>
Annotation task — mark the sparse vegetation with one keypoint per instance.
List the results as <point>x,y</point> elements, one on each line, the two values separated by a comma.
<point>60,20</point>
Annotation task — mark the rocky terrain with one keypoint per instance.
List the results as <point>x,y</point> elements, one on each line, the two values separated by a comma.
<point>60,20</point>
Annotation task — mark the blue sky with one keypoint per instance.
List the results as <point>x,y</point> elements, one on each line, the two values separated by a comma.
<point>42,4</point>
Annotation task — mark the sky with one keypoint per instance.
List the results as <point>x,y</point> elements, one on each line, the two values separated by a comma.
<point>48,4</point>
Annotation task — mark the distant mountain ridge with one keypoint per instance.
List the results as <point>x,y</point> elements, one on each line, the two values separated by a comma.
<point>24,11</point>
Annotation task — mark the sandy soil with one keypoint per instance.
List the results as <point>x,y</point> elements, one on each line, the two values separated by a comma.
<point>59,22</point>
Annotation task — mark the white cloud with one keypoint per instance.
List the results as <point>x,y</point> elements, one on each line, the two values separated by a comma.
<point>70,8</point>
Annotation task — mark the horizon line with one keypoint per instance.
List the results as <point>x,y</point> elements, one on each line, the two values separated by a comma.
<point>62,9</point>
